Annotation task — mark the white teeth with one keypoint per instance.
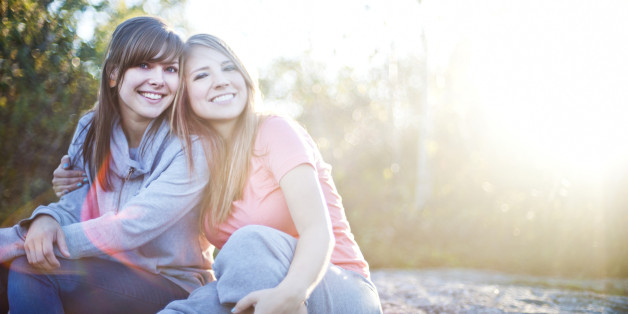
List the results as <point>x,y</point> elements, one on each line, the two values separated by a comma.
<point>223,98</point>
<point>153,96</point>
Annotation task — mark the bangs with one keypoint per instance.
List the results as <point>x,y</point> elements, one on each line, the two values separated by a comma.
<point>160,47</point>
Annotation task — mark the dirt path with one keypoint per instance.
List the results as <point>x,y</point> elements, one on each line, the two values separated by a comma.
<point>473,291</point>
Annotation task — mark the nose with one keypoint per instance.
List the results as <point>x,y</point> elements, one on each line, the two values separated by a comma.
<point>220,80</point>
<point>156,77</point>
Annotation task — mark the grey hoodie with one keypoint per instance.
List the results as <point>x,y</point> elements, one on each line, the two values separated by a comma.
<point>150,217</point>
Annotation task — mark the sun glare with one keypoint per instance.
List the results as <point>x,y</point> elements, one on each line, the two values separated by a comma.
<point>549,77</point>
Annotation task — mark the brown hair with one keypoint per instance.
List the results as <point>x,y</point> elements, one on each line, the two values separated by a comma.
<point>136,40</point>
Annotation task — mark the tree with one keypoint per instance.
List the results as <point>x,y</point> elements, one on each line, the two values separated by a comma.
<point>43,85</point>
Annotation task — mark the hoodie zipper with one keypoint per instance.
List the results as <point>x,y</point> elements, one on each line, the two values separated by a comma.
<point>128,176</point>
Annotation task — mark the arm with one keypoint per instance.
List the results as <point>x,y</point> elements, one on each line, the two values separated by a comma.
<point>43,228</point>
<point>167,199</point>
<point>65,180</point>
<point>68,209</point>
<point>308,209</point>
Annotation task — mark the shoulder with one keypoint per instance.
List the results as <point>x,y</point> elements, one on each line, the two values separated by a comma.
<point>82,127</point>
<point>277,134</point>
<point>86,119</point>
<point>274,125</point>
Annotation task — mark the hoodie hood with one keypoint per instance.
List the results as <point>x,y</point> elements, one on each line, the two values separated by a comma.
<point>147,151</point>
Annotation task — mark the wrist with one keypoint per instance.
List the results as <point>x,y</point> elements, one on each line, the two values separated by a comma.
<point>43,221</point>
<point>292,293</point>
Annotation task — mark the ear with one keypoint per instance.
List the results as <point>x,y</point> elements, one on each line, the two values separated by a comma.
<point>113,78</point>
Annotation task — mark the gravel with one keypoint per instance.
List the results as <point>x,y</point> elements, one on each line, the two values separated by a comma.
<point>476,291</point>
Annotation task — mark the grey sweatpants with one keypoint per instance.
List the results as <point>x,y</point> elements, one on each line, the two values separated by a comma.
<point>258,257</point>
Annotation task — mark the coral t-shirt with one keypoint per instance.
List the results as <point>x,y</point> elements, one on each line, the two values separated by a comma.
<point>280,146</point>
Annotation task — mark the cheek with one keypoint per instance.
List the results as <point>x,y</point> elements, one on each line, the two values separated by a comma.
<point>198,109</point>
<point>195,99</point>
<point>173,83</point>
<point>196,91</point>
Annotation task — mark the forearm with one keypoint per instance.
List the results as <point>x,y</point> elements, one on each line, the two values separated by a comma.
<point>310,262</point>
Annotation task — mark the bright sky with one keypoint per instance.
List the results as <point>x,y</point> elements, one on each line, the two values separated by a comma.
<point>344,32</point>
<point>550,74</point>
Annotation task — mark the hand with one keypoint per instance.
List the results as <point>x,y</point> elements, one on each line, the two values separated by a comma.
<point>65,180</point>
<point>270,301</point>
<point>39,244</point>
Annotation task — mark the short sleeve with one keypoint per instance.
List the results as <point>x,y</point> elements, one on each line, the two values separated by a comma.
<point>285,145</point>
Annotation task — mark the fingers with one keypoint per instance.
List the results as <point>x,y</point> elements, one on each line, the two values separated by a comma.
<point>65,161</point>
<point>48,260</point>
<point>63,247</point>
<point>67,176</point>
<point>248,301</point>
<point>39,243</point>
<point>64,187</point>
<point>40,254</point>
<point>66,180</point>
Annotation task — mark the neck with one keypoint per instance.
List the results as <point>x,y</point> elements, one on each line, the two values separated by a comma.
<point>134,131</point>
<point>224,128</point>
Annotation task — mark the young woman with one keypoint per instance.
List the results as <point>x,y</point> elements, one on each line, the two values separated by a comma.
<point>271,205</point>
<point>128,240</point>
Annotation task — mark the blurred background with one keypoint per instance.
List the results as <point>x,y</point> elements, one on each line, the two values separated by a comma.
<point>484,134</point>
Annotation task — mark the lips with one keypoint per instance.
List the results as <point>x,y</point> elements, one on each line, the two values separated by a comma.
<point>222,98</point>
<point>153,96</point>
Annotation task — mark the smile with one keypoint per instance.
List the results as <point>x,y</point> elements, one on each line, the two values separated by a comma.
<point>152,96</point>
<point>222,98</point>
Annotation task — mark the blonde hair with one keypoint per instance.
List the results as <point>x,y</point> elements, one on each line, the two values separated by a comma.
<point>136,40</point>
<point>227,159</point>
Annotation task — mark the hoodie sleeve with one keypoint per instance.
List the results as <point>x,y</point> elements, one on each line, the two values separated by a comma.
<point>68,209</point>
<point>174,194</point>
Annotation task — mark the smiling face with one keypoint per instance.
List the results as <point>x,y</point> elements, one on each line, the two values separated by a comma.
<point>216,89</point>
<point>147,90</point>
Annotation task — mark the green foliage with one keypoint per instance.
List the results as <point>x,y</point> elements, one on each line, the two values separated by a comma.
<point>43,85</point>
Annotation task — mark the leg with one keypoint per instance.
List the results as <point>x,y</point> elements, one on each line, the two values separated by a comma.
<point>90,285</point>
<point>202,300</point>
<point>11,246</point>
<point>258,257</point>
<point>254,258</point>
<point>344,291</point>
<point>4,278</point>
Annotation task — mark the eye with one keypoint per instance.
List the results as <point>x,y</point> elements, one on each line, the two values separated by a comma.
<point>230,67</point>
<point>143,65</point>
<point>172,69</point>
<point>199,76</point>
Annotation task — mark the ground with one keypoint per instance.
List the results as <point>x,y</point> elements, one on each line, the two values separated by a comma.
<point>474,291</point>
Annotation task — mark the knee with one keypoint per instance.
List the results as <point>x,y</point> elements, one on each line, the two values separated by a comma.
<point>256,239</point>
<point>244,242</point>
<point>20,274</point>
<point>21,265</point>
<point>250,233</point>
<point>252,245</point>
